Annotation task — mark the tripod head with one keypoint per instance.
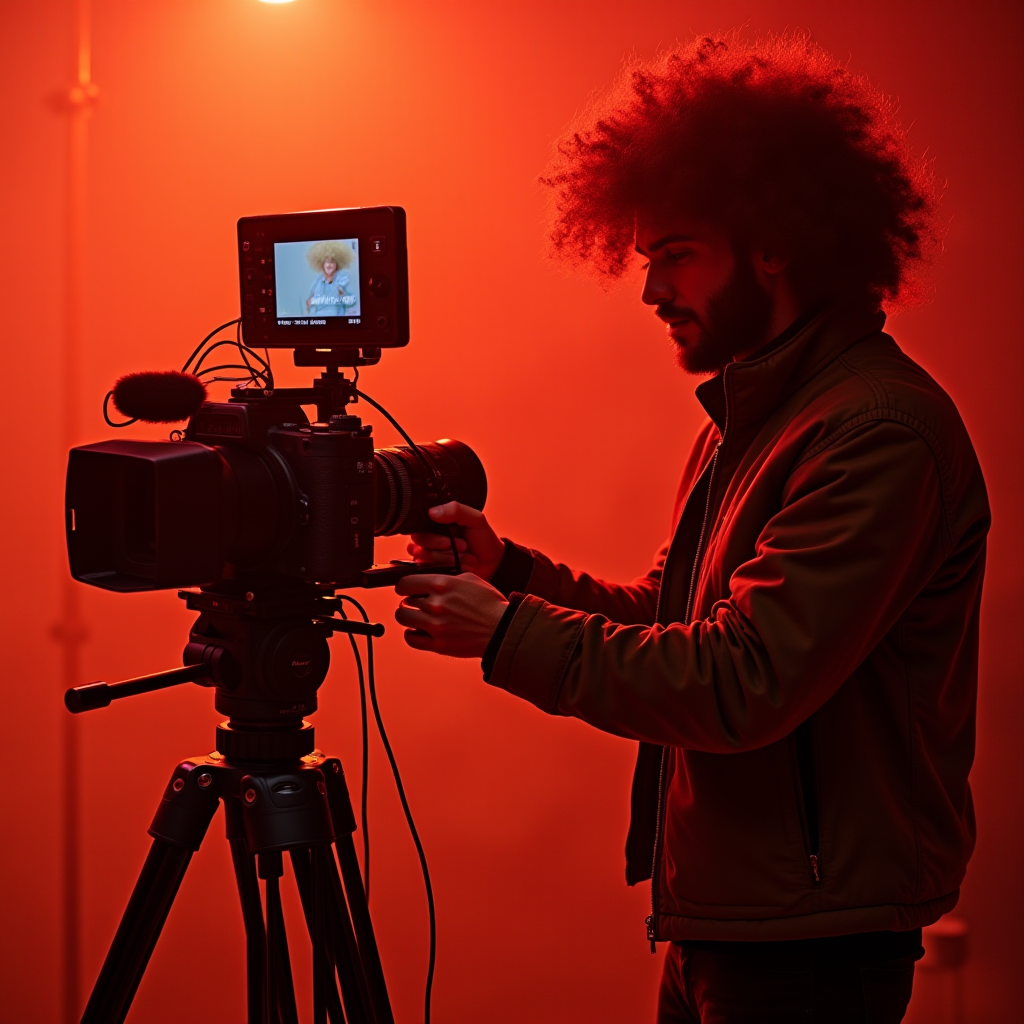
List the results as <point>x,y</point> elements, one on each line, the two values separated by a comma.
<point>265,653</point>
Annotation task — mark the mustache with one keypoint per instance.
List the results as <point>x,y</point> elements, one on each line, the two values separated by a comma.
<point>667,312</point>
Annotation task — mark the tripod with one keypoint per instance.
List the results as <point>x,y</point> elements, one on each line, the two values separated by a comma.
<point>279,794</point>
<point>301,806</point>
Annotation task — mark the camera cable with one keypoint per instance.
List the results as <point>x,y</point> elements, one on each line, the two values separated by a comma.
<point>401,795</point>
<point>364,820</point>
<point>261,375</point>
<point>199,348</point>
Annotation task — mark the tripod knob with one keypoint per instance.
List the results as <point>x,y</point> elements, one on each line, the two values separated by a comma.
<point>294,659</point>
<point>222,668</point>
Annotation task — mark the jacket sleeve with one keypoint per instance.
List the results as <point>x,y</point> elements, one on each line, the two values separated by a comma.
<point>859,532</point>
<point>627,603</point>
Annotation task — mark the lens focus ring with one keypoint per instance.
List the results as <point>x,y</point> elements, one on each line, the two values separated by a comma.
<point>399,490</point>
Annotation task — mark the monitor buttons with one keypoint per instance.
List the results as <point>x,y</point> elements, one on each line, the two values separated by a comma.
<point>382,322</point>
<point>377,245</point>
<point>379,285</point>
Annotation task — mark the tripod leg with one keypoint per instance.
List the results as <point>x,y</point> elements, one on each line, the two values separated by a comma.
<point>137,933</point>
<point>346,950</point>
<point>255,933</point>
<point>319,940</point>
<point>180,822</point>
<point>368,955</point>
<point>280,988</point>
<point>344,825</point>
<point>313,902</point>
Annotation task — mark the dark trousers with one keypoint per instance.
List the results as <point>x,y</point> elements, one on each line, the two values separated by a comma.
<point>782,983</point>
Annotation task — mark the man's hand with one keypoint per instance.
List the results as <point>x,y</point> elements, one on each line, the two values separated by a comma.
<point>454,615</point>
<point>480,548</point>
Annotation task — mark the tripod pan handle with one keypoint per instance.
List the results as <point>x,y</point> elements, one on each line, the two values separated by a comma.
<point>99,695</point>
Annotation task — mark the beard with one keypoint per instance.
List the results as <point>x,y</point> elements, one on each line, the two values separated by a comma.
<point>737,317</point>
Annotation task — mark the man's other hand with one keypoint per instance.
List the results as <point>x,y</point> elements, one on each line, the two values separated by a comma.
<point>453,615</point>
<point>480,548</point>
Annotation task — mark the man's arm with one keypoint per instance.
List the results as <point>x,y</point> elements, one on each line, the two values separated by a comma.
<point>509,568</point>
<point>859,535</point>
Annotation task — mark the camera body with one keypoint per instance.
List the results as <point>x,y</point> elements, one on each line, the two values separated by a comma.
<point>253,487</point>
<point>255,491</point>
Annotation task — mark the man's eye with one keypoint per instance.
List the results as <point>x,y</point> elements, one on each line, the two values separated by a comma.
<point>680,255</point>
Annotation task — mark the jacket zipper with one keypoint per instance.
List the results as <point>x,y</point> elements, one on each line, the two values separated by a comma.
<point>804,740</point>
<point>654,856</point>
<point>652,919</point>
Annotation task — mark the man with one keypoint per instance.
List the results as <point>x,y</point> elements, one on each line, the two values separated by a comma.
<point>800,664</point>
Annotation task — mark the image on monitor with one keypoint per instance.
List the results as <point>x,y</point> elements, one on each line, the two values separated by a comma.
<point>317,279</point>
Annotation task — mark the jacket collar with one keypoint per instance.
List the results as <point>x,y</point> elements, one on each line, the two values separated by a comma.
<point>748,391</point>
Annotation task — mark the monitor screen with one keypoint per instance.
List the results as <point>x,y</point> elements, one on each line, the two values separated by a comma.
<point>315,280</point>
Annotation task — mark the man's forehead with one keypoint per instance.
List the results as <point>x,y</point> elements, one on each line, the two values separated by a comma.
<point>658,225</point>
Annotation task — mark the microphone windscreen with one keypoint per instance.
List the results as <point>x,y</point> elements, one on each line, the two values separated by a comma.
<point>159,396</point>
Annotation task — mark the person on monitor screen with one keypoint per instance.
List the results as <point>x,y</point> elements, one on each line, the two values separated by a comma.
<point>328,295</point>
<point>800,664</point>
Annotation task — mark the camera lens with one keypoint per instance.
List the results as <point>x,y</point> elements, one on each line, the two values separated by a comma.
<point>409,482</point>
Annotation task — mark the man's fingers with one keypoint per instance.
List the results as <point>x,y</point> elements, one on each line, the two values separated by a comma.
<point>468,562</point>
<point>440,557</point>
<point>457,513</point>
<point>427,583</point>
<point>414,618</point>
<point>432,557</point>
<point>419,640</point>
<point>437,542</point>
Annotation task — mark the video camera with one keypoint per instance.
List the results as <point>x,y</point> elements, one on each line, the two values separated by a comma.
<point>264,510</point>
<point>253,488</point>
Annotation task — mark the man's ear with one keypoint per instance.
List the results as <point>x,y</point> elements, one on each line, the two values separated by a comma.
<point>771,262</point>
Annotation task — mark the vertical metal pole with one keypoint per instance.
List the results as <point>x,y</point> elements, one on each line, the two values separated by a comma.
<point>70,632</point>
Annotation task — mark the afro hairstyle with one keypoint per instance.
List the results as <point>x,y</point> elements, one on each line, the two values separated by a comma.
<point>776,141</point>
<point>332,249</point>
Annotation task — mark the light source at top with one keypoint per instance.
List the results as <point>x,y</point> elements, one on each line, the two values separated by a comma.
<point>276,1</point>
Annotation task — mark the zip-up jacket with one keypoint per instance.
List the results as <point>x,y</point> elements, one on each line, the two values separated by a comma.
<point>800,664</point>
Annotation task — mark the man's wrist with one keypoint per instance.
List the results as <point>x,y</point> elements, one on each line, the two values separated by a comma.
<point>494,644</point>
<point>514,570</point>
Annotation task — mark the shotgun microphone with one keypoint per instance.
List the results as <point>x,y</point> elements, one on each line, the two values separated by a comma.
<point>158,396</point>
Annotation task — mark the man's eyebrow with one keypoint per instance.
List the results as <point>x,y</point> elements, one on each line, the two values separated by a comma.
<point>666,240</point>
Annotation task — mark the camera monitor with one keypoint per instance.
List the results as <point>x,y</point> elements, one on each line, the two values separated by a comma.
<point>327,280</point>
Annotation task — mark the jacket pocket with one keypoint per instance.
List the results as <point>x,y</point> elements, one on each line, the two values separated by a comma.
<point>803,740</point>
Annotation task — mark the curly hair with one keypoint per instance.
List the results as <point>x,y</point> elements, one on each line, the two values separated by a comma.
<point>776,141</point>
<point>340,252</point>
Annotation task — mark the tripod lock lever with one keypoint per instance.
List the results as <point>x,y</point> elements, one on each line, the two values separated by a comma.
<point>99,695</point>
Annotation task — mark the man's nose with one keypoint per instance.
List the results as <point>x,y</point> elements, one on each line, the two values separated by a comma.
<point>657,289</point>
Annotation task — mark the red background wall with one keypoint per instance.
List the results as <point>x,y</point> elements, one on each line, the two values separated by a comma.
<point>211,110</point>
